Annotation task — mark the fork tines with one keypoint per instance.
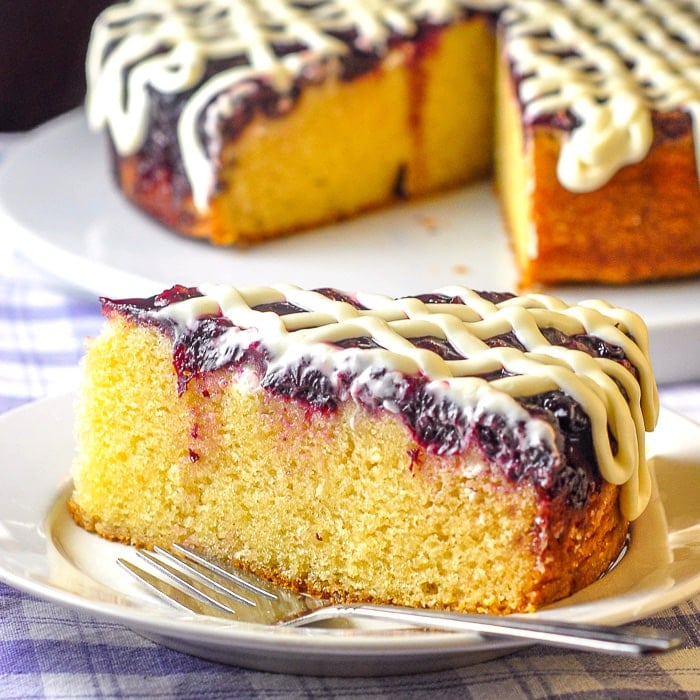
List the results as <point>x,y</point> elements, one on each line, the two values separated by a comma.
<point>199,585</point>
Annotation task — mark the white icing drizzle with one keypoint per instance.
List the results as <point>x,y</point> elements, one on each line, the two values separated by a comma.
<point>574,54</point>
<point>611,64</point>
<point>593,382</point>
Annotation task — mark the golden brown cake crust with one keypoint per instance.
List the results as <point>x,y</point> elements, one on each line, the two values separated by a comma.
<point>642,225</point>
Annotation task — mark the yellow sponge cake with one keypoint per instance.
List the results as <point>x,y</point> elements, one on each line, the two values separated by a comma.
<point>457,449</point>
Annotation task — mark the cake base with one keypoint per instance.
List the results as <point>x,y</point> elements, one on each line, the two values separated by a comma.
<point>344,504</point>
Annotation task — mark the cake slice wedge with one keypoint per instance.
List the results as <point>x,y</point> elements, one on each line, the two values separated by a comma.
<point>457,449</point>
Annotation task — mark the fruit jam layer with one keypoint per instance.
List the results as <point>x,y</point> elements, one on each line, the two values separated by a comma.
<point>563,467</point>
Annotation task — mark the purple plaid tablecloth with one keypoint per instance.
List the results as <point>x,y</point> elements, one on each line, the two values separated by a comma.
<point>50,651</point>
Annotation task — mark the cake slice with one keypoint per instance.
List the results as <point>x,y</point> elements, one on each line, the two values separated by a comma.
<point>457,450</point>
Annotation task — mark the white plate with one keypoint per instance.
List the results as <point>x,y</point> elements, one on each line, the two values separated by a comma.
<point>44,553</point>
<point>58,200</point>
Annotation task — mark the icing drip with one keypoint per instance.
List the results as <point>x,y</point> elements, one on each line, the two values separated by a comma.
<point>472,336</point>
<point>608,64</point>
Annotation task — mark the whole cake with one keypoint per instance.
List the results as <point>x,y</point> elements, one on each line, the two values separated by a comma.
<point>459,450</point>
<point>238,121</point>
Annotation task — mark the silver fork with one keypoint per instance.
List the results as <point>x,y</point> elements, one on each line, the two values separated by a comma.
<point>189,581</point>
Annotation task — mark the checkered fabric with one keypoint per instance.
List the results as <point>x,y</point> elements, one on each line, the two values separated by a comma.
<point>50,651</point>
<point>42,336</point>
<point>47,651</point>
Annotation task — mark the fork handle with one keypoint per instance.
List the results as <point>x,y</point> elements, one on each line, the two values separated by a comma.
<point>572,635</point>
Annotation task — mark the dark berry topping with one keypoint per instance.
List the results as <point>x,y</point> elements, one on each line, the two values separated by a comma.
<point>281,308</point>
<point>439,299</point>
<point>440,346</point>
<point>303,383</point>
<point>578,474</point>
<point>496,297</point>
<point>495,374</point>
<point>596,347</point>
<point>133,307</point>
<point>493,297</point>
<point>197,352</point>
<point>337,295</point>
<point>500,445</point>
<point>505,340</point>
<point>363,342</point>
<point>436,422</point>
<point>174,295</point>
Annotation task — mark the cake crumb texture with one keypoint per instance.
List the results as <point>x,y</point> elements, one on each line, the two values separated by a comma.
<point>343,504</point>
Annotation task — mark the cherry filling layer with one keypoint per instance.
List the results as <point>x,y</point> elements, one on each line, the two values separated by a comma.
<point>438,424</point>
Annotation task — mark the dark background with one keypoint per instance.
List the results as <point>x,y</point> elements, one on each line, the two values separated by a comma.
<point>42,58</point>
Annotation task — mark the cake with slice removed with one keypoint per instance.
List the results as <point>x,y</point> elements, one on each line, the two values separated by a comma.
<point>238,122</point>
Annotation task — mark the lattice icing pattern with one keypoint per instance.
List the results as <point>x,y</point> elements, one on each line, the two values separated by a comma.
<point>610,64</point>
<point>483,353</point>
